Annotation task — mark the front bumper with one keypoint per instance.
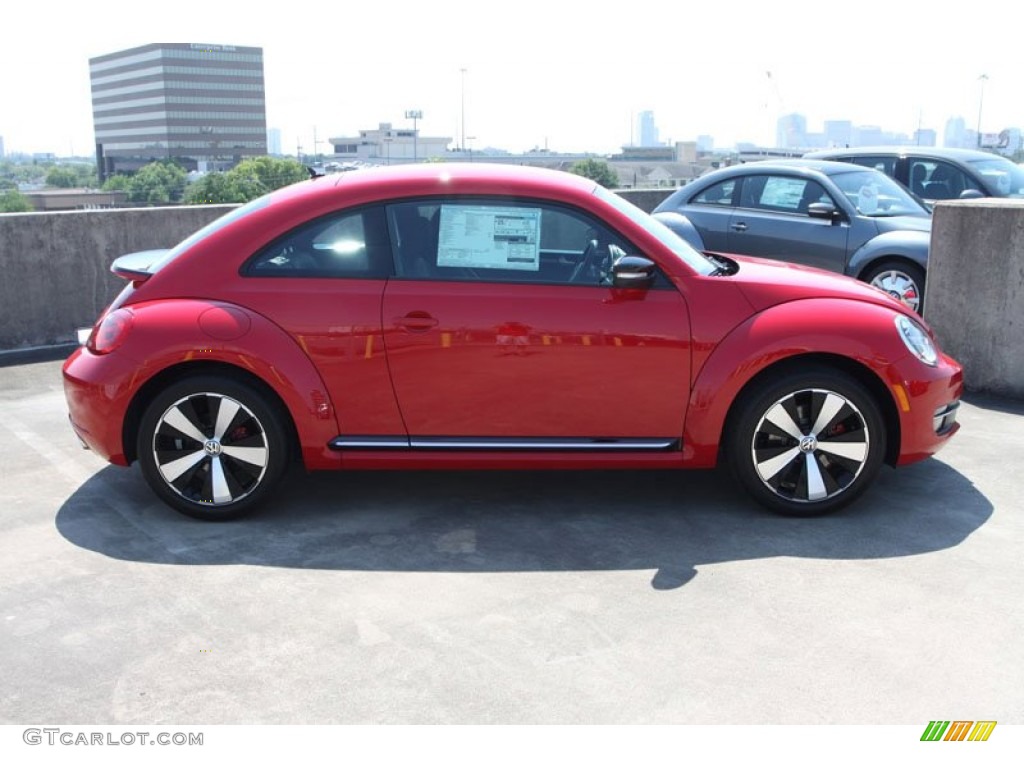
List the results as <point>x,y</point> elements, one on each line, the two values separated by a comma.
<point>927,399</point>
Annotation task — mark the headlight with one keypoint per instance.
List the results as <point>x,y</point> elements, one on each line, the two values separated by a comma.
<point>917,340</point>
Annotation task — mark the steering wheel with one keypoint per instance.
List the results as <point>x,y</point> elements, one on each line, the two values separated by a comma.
<point>584,263</point>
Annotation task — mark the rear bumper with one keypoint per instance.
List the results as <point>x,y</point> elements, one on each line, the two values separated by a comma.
<point>98,390</point>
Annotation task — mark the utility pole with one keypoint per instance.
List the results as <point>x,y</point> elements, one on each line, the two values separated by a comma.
<point>414,115</point>
<point>981,99</point>
<point>462,132</point>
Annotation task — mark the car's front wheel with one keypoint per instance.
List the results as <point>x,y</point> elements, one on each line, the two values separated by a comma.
<point>212,447</point>
<point>901,280</point>
<point>808,442</point>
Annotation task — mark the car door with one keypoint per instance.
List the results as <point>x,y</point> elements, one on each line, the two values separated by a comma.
<point>709,210</point>
<point>502,331</point>
<point>772,221</point>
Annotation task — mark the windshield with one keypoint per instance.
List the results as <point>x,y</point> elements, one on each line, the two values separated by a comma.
<point>1003,178</point>
<point>696,261</point>
<point>875,194</point>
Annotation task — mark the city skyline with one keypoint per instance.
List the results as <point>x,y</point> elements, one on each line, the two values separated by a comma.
<point>542,82</point>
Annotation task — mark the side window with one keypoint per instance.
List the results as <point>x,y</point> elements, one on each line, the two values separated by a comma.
<point>350,244</point>
<point>501,241</point>
<point>717,194</point>
<point>943,181</point>
<point>784,194</point>
<point>883,163</point>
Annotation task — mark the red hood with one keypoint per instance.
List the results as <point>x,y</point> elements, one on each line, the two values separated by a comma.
<point>766,282</point>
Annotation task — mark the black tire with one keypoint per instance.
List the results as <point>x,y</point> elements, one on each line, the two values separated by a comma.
<point>901,280</point>
<point>237,463</point>
<point>808,442</point>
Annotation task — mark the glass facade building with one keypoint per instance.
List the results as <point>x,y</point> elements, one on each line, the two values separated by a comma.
<point>202,105</point>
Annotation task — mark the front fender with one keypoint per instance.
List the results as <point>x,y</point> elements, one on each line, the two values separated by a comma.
<point>860,332</point>
<point>193,332</point>
<point>909,245</point>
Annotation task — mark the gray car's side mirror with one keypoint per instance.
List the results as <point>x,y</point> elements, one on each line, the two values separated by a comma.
<point>823,211</point>
<point>633,272</point>
<point>971,194</point>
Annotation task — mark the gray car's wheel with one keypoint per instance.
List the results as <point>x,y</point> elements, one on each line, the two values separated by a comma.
<point>212,447</point>
<point>808,442</point>
<point>901,280</point>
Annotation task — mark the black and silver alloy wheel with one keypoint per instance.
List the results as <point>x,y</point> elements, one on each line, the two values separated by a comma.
<point>211,448</point>
<point>807,443</point>
<point>810,445</point>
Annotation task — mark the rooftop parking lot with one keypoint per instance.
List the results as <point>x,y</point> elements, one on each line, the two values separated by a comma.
<point>403,597</point>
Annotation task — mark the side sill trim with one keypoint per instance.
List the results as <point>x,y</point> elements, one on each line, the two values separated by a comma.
<point>373,442</point>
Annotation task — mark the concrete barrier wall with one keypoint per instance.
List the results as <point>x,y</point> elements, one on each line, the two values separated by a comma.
<point>975,293</point>
<point>646,199</point>
<point>55,267</point>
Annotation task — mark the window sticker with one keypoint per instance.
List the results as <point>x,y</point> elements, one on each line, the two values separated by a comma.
<point>489,237</point>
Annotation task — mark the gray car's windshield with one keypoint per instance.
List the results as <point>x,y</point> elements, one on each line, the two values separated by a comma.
<point>697,261</point>
<point>875,194</point>
<point>1004,179</point>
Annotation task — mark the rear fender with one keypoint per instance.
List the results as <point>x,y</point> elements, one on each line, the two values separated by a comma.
<point>909,245</point>
<point>195,333</point>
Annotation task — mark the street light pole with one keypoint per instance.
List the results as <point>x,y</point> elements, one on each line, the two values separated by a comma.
<point>981,100</point>
<point>414,115</point>
<point>462,141</point>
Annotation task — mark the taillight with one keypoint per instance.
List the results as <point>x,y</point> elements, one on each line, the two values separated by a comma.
<point>111,331</point>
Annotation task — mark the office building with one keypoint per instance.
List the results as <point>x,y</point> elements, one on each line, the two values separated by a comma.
<point>201,105</point>
<point>791,131</point>
<point>385,145</point>
<point>647,130</point>
<point>274,142</point>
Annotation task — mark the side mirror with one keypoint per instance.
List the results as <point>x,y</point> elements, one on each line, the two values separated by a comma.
<point>633,272</point>
<point>971,194</point>
<point>823,211</point>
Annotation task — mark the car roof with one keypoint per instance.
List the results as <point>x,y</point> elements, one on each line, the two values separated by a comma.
<point>454,177</point>
<point>807,166</point>
<point>940,153</point>
<point>378,184</point>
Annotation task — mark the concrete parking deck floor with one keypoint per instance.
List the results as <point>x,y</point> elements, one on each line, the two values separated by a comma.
<point>603,597</point>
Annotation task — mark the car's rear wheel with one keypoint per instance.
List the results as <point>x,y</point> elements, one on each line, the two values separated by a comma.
<point>901,280</point>
<point>212,447</point>
<point>808,442</point>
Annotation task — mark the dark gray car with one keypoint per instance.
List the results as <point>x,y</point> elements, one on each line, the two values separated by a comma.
<point>935,173</point>
<point>830,215</point>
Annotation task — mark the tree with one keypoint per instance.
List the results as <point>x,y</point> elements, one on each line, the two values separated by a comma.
<point>270,173</point>
<point>86,175</point>
<point>158,183</point>
<point>60,176</point>
<point>12,201</point>
<point>597,170</point>
<point>116,183</point>
<point>248,180</point>
<point>213,188</point>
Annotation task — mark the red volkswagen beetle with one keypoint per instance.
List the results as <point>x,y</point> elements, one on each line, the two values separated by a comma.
<point>493,317</point>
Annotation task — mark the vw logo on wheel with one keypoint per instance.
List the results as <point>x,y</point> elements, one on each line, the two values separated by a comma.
<point>808,444</point>
<point>212,448</point>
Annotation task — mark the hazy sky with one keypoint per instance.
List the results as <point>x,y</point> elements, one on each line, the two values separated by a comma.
<point>569,74</point>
